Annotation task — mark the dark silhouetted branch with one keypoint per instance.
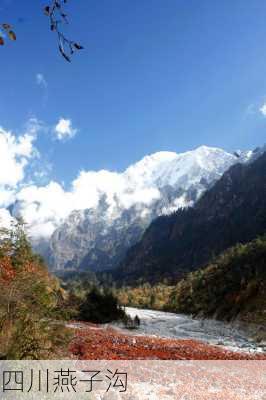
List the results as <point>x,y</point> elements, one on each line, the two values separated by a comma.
<point>58,18</point>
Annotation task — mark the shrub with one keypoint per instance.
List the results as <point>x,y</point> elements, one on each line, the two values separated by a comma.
<point>101,307</point>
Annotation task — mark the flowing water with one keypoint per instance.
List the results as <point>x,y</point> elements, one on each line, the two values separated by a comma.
<point>179,326</point>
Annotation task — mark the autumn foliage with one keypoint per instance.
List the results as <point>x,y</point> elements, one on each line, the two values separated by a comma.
<point>29,301</point>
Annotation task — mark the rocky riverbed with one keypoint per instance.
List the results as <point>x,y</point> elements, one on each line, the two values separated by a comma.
<point>178,326</point>
<point>162,336</point>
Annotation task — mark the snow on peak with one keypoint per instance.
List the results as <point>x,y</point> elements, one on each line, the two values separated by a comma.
<point>169,168</point>
<point>141,184</point>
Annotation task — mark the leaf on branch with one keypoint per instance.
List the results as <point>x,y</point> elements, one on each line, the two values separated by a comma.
<point>7,27</point>
<point>59,18</point>
<point>12,35</point>
<point>78,46</point>
<point>47,10</point>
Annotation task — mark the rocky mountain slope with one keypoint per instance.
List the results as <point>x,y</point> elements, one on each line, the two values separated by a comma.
<point>98,238</point>
<point>232,211</point>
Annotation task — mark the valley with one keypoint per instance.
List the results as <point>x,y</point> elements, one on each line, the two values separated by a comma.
<point>133,191</point>
<point>197,254</point>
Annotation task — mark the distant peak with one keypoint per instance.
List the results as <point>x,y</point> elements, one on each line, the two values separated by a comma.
<point>209,149</point>
<point>171,155</point>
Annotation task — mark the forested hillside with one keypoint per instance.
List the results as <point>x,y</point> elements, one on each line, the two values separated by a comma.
<point>232,286</point>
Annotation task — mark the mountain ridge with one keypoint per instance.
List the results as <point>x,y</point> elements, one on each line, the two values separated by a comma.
<point>160,183</point>
<point>232,211</point>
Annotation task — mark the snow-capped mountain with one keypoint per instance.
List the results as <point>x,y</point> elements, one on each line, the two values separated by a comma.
<point>232,211</point>
<point>97,238</point>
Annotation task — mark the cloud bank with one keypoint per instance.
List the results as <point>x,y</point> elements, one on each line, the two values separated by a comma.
<point>45,207</point>
<point>15,155</point>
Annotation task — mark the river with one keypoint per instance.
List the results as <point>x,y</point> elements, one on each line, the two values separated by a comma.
<point>179,326</point>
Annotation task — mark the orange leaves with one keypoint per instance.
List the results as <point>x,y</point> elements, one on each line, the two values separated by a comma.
<point>29,267</point>
<point>12,35</point>
<point>7,272</point>
<point>94,342</point>
<point>8,31</point>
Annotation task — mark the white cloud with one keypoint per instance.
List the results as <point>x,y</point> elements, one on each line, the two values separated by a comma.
<point>15,153</point>
<point>64,129</point>
<point>41,81</point>
<point>7,196</point>
<point>5,218</point>
<point>263,109</point>
<point>45,208</point>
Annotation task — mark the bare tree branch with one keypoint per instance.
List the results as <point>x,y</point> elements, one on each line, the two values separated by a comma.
<point>58,18</point>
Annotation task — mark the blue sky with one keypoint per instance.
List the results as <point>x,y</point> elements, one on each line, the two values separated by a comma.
<point>154,75</point>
